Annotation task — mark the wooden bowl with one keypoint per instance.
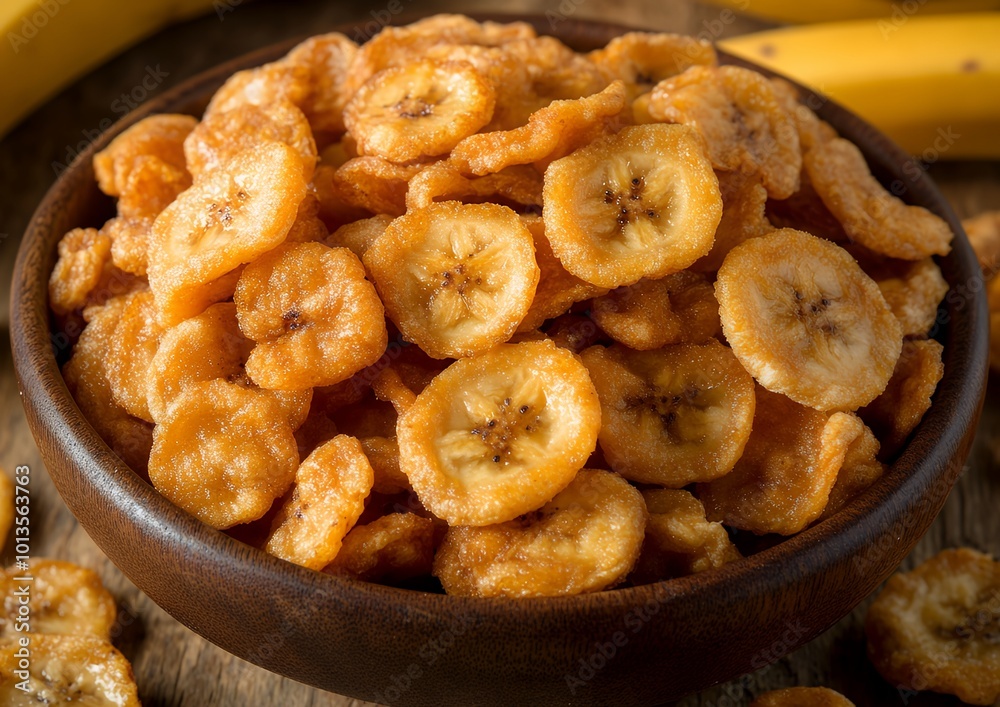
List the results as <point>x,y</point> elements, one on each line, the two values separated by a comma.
<point>631,646</point>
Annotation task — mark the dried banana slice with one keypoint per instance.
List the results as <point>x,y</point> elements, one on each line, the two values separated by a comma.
<point>642,203</point>
<point>65,599</point>
<point>67,670</point>
<point>895,413</point>
<point>518,186</point>
<point>359,235</point>
<point>331,486</point>
<point>83,253</point>
<point>782,482</point>
<point>812,130</point>
<point>364,185</point>
<point>278,81</point>
<point>222,136</point>
<point>131,350</point>
<point>677,309</point>
<point>555,72</point>
<point>806,321</point>
<point>744,203</point>
<point>673,416</point>
<point>129,243</point>
<point>743,122</point>
<point>805,211</point>
<point>935,628</point>
<point>229,218</point>
<point>383,455</point>
<point>158,135</point>
<point>389,386</point>
<point>308,226</point>
<point>498,435</point>
<point>643,59</point>
<point>869,214</point>
<point>552,132</point>
<point>573,332</point>
<point>223,453</point>
<point>585,539</point>
<point>984,236</point>
<point>422,109</point>
<point>860,470</point>
<point>802,697</point>
<point>327,57</point>
<point>315,318</point>
<point>913,289</point>
<point>209,347</point>
<point>390,549</point>
<point>152,185</point>
<point>679,540</point>
<point>457,279</point>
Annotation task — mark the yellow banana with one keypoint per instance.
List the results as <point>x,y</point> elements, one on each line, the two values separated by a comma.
<point>932,84</point>
<point>49,43</point>
<point>801,12</point>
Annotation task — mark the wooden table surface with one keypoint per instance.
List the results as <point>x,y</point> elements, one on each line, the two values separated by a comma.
<point>175,667</point>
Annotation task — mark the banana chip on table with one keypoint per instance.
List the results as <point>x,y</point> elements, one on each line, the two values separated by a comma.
<point>936,627</point>
<point>802,697</point>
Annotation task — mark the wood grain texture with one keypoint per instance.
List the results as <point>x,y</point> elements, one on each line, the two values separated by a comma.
<point>174,666</point>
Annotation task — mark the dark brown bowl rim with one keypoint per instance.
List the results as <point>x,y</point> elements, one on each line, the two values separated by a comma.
<point>930,451</point>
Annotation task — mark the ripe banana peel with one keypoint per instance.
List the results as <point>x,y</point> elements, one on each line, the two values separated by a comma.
<point>931,83</point>
<point>49,43</point>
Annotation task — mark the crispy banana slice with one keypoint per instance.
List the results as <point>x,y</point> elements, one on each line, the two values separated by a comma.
<point>806,321</point>
<point>327,57</point>
<point>152,185</point>
<point>673,416</point>
<point>913,289</point>
<point>390,549</point>
<point>861,469</point>
<point>457,279</point>
<point>585,539</point>
<point>895,413</point>
<point>383,455</point>
<point>519,186</point>
<point>132,348</point>
<point>315,318</point>
<point>223,453</point>
<point>802,697</point>
<point>158,135</point>
<point>498,435</point>
<point>983,231</point>
<point>129,243</point>
<point>308,226</point>
<point>935,628</point>
<point>83,254</point>
<point>643,59</point>
<point>744,202</point>
<point>209,347</point>
<point>359,235</point>
<point>271,83</point>
<point>422,109</point>
<point>362,186</point>
<point>67,670</point>
<point>229,218</point>
<point>642,203</point>
<point>677,309</point>
<point>555,72</point>
<point>679,540</point>
<point>329,495</point>
<point>805,211</point>
<point>573,332</point>
<point>869,214</point>
<point>812,130</point>
<point>782,482</point>
<point>743,122</point>
<point>552,132</point>
<point>64,599</point>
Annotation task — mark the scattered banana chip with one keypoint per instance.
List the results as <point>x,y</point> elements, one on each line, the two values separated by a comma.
<point>391,549</point>
<point>869,214</point>
<point>457,279</point>
<point>679,540</point>
<point>782,483</point>
<point>673,416</point>
<point>802,697</point>
<point>935,628</point>
<point>65,599</point>
<point>642,203</point>
<point>498,435</point>
<point>159,136</point>
<point>643,59</point>
<point>132,348</point>
<point>806,321</point>
<point>83,253</point>
<point>315,318</point>
<point>585,539</point>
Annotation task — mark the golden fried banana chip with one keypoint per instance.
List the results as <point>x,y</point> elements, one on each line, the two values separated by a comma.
<point>158,136</point>
<point>984,236</point>
<point>152,185</point>
<point>327,58</point>
<point>805,211</point>
<point>223,453</point>
<point>742,120</point>
<point>383,455</point>
<point>389,386</point>
<point>231,217</point>
<point>390,549</point>
<point>315,318</point>
<point>358,236</point>
<point>895,413</point>
<point>308,226</point>
<point>679,540</point>
<point>642,203</point>
<point>585,539</point>
<point>278,81</point>
<point>519,186</point>
<point>676,309</point>
<point>643,59</point>
<point>573,332</point>
<point>935,628</point>
<point>802,697</point>
<point>364,185</point>
<point>806,321</point>
<point>67,671</point>
<point>744,202</point>
<point>419,110</point>
<point>556,72</point>
<point>913,289</point>
<point>860,470</point>
<point>457,279</point>
<point>498,435</point>
<point>782,482</point>
<point>673,416</point>
<point>83,253</point>
<point>132,348</point>
<point>812,130</point>
<point>65,599</point>
<point>869,214</point>
<point>129,243</point>
<point>329,495</point>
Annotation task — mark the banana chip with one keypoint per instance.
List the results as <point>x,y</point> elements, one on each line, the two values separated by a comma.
<point>498,435</point>
<point>83,253</point>
<point>159,136</point>
<point>391,549</point>
<point>368,185</point>
<point>802,697</point>
<point>643,59</point>
<point>383,455</point>
<point>912,289</point>
<point>519,186</point>
<point>129,243</point>
<point>806,321</point>
<point>132,348</point>
<point>861,469</point>
<point>556,72</point>
<point>744,201</point>
<point>642,203</point>
<point>812,130</point>
<point>151,186</point>
<point>673,416</point>
<point>935,628</point>
<point>327,58</point>
<point>585,539</point>
<point>65,599</point>
<point>278,81</point>
<point>359,235</point>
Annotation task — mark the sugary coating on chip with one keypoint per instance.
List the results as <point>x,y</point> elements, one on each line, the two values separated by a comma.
<point>159,136</point>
